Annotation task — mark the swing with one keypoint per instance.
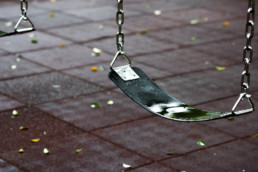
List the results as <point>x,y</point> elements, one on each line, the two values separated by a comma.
<point>25,18</point>
<point>140,88</point>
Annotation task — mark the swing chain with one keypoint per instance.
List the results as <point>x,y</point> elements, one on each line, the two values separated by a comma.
<point>120,22</point>
<point>247,57</point>
<point>24,8</point>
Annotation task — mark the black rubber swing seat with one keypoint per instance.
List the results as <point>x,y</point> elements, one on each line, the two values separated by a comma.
<point>150,96</point>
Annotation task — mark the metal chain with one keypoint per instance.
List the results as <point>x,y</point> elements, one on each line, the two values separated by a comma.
<point>247,55</point>
<point>120,22</point>
<point>24,8</point>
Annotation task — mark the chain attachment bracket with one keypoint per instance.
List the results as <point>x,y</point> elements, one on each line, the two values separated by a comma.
<point>247,59</point>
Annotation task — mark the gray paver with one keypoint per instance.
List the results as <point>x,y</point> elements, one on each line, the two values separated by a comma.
<point>200,14</point>
<point>154,167</point>
<point>13,12</point>
<point>151,137</point>
<point>45,21</point>
<point>46,87</point>
<point>97,155</point>
<point>149,22</point>
<point>22,42</point>
<point>236,26</point>
<point>151,6</point>
<point>8,103</point>
<point>85,32</point>
<point>6,167</point>
<point>182,60</point>
<point>66,57</point>
<point>205,86</point>
<point>79,112</point>
<point>22,67</point>
<point>134,45</point>
<point>192,35</point>
<point>228,49</point>
<point>235,156</point>
<point>107,12</point>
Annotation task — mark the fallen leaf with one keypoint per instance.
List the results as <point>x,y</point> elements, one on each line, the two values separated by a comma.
<point>172,153</point>
<point>220,68</point>
<point>15,112</point>
<point>94,105</point>
<point>126,165</point>
<point>78,150</point>
<point>255,135</point>
<point>34,41</point>
<point>18,60</point>
<point>157,12</point>
<point>110,102</point>
<point>35,140</point>
<point>206,19</point>
<point>201,143</point>
<point>226,24</point>
<point>102,68</point>
<point>23,128</point>
<point>62,45</point>
<point>100,27</point>
<point>21,150</point>
<point>52,15</point>
<point>8,24</point>
<point>96,52</point>
<point>231,118</point>
<point>94,68</point>
<point>46,151</point>
<point>13,67</point>
<point>193,39</point>
<point>195,21</point>
<point>143,32</point>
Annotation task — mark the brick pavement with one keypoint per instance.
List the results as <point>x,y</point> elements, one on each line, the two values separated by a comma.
<point>52,86</point>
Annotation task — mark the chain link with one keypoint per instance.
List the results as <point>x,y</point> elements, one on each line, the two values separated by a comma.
<point>247,56</point>
<point>248,50</point>
<point>120,21</point>
<point>24,8</point>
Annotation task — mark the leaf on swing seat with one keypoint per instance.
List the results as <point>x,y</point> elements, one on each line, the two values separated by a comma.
<point>201,143</point>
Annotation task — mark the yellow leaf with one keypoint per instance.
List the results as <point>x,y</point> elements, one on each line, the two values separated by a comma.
<point>21,150</point>
<point>94,68</point>
<point>78,150</point>
<point>35,140</point>
<point>220,68</point>
<point>51,15</point>
<point>255,135</point>
<point>62,45</point>
<point>226,24</point>
<point>23,128</point>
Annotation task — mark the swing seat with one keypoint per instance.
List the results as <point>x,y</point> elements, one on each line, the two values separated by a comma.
<point>150,96</point>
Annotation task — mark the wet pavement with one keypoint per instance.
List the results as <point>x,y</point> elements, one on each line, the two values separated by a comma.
<point>64,99</point>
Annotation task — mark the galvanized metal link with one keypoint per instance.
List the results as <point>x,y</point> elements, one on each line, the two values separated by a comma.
<point>24,8</point>
<point>247,57</point>
<point>120,22</point>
